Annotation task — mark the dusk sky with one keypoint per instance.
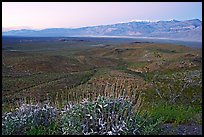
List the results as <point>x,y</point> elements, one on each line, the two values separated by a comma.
<point>41,15</point>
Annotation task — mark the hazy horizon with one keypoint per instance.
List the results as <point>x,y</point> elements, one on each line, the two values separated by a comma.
<point>42,15</point>
<point>20,28</point>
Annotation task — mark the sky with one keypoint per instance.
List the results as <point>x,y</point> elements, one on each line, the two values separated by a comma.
<point>41,15</point>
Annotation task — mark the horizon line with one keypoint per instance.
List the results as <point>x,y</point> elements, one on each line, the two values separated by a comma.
<point>35,29</point>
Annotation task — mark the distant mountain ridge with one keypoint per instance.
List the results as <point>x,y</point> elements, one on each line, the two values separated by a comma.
<point>184,30</point>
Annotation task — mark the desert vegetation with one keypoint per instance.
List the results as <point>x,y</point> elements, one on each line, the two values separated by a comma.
<point>97,87</point>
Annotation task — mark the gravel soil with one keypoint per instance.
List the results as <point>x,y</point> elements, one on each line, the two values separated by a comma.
<point>183,129</point>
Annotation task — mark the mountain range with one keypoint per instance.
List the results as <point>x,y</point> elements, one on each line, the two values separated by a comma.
<point>190,30</point>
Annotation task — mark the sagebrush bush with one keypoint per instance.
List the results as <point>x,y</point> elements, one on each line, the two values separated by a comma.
<point>104,116</point>
<point>27,116</point>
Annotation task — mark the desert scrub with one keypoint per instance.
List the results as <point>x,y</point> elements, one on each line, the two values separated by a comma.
<point>107,116</point>
<point>177,88</point>
<point>103,116</point>
<point>176,97</point>
<point>177,114</point>
<point>27,116</point>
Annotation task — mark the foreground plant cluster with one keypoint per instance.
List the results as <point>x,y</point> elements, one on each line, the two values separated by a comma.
<point>104,116</point>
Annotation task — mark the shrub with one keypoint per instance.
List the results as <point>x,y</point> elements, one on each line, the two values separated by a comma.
<point>106,116</point>
<point>26,116</point>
